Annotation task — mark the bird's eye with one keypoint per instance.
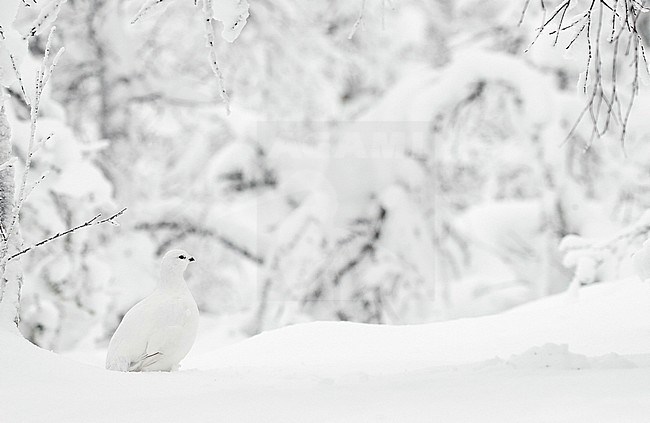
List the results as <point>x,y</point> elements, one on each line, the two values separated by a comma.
<point>181,257</point>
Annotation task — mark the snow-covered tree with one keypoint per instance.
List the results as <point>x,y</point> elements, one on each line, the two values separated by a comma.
<point>372,161</point>
<point>54,187</point>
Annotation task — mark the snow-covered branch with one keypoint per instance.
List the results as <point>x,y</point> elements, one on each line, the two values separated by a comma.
<point>14,66</point>
<point>42,78</point>
<point>351,251</point>
<point>232,14</point>
<point>366,249</point>
<point>147,7</point>
<point>585,255</point>
<point>186,229</point>
<point>46,17</point>
<point>208,14</point>
<point>359,21</point>
<point>608,99</point>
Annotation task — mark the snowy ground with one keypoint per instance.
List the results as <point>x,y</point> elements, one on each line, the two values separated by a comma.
<point>550,361</point>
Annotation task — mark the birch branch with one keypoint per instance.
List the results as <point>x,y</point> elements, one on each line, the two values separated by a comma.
<point>41,79</point>
<point>86,224</point>
<point>146,8</point>
<point>14,65</point>
<point>359,21</point>
<point>210,37</point>
<point>608,100</point>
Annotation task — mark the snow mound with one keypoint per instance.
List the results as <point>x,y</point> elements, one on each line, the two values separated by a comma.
<point>549,356</point>
<point>554,356</point>
<point>610,317</point>
<point>345,372</point>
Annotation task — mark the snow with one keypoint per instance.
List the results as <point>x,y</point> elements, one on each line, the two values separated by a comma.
<point>422,94</point>
<point>11,44</point>
<point>147,8</point>
<point>454,160</point>
<point>642,261</point>
<point>546,361</point>
<point>233,15</point>
<point>559,357</point>
<point>84,180</point>
<point>235,157</point>
<point>8,10</point>
<point>46,17</point>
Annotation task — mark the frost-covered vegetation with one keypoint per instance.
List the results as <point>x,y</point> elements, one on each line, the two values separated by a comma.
<point>373,161</point>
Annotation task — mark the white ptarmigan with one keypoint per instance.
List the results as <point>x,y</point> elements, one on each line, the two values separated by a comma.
<point>158,332</point>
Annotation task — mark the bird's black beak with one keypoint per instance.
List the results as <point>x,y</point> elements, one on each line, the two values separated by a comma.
<point>191,259</point>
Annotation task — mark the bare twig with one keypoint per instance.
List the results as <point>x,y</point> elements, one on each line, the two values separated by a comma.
<point>523,12</point>
<point>88,223</point>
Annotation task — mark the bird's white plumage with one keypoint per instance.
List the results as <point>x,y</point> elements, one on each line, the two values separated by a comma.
<point>158,332</point>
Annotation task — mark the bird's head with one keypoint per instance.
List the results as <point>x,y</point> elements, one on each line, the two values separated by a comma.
<point>176,261</point>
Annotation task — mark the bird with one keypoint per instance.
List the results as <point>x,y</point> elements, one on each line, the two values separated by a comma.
<point>159,331</point>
